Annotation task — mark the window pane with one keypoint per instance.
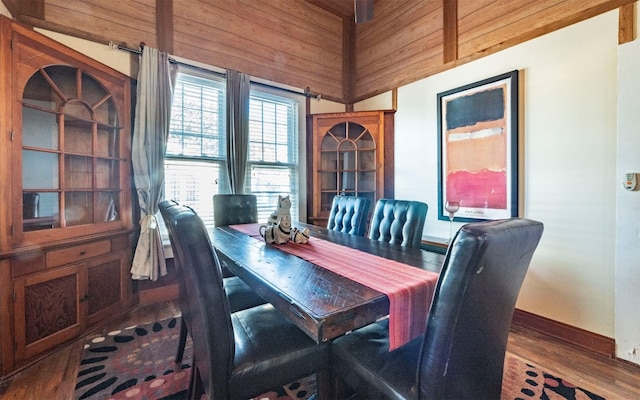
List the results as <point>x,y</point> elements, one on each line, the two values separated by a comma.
<point>272,127</point>
<point>197,118</point>
<point>193,183</point>
<point>267,182</point>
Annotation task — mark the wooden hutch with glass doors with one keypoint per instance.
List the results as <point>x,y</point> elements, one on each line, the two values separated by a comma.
<point>351,154</point>
<point>66,238</point>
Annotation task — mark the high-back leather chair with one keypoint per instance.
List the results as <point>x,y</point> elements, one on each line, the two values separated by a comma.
<point>240,295</point>
<point>239,355</point>
<point>398,222</point>
<point>229,209</point>
<point>349,214</point>
<point>461,355</point>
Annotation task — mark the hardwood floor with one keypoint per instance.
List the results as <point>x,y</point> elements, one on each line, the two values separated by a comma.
<point>54,377</point>
<point>608,377</point>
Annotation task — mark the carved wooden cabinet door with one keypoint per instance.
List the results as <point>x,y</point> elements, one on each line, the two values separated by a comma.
<point>48,310</point>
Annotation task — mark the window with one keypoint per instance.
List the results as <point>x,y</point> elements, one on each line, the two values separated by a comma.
<point>195,164</point>
<point>272,167</point>
<point>195,159</point>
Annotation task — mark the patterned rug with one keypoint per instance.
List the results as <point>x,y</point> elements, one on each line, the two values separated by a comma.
<point>138,362</point>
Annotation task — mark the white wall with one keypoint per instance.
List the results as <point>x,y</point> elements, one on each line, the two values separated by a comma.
<point>4,11</point>
<point>568,106</point>
<point>627,280</point>
<point>125,62</point>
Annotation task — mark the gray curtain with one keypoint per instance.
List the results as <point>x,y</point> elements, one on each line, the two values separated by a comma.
<point>156,80</point>
<point>237,129</point>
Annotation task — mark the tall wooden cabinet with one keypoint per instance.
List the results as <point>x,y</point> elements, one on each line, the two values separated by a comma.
<point>350,154</point>
<point>65,213</point>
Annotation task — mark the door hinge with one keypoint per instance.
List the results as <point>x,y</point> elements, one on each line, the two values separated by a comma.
<point>15,298</point>
<point>11,45</point>
<point>12,132</point>
<point>13,230</point>
<point>15,347</point>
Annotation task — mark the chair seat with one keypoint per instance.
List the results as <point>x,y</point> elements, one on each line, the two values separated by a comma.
<point>270,352</point>
<point>391,373</point>
<point>240,295</point>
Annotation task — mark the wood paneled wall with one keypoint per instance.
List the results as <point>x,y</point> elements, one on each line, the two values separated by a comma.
<point>287,41</point>
<point>301,44</point>
<point>406,40</point>
<point>291,42</point>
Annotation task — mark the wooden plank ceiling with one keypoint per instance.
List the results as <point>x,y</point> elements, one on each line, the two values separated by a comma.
<point>316,43</point>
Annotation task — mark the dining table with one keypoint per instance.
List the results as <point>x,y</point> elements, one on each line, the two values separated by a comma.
<point>322,302</point>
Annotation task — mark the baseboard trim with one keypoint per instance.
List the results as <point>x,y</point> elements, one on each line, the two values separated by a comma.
<point>578,337</point>
<point>157,295</point>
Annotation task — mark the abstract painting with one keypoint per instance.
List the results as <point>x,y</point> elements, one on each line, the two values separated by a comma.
<point>478,149</point>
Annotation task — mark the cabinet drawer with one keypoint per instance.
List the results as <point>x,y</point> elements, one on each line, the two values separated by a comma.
<point>77,253</point>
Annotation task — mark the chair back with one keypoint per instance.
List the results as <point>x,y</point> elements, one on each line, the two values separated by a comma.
<point>398,222</point>
<point>169,211</point>
<point>210,319</point>
<point>349,214</point>
<point>230,209</point>
<point>465,342</point>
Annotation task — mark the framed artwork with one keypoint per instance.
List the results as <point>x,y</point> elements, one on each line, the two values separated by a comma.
<point>478,150</point>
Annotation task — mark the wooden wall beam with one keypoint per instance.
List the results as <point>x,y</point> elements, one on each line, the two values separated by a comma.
<point>32,8</point>
<point>348,60</point>
<point>627,23</point>
<point>164,25</point>
<point>450,30</point>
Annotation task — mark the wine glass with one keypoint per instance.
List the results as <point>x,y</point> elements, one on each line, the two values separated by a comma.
<point>452,207</point>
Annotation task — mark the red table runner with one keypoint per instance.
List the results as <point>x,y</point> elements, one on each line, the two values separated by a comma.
<point>410,290</point>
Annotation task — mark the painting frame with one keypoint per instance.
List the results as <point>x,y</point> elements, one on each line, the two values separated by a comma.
<point>478,149</point>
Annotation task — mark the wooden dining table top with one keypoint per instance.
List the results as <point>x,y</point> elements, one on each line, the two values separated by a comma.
<point>322,303</point>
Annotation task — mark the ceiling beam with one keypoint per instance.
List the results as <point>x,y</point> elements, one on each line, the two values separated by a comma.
<point>164,25</point>
<point>450,30</point>
<point>627,23</point>
<point>348,59</point>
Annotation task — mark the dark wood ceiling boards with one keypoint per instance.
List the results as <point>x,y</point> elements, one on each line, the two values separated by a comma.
<point>316,43</point>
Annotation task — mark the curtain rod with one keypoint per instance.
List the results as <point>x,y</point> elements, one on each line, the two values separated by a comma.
<point>305,93</point>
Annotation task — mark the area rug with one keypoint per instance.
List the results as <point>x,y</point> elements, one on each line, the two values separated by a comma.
<point>138,362</point>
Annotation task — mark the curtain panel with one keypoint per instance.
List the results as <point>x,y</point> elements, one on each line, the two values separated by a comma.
<point>238,86</point>
<point>156,80</point>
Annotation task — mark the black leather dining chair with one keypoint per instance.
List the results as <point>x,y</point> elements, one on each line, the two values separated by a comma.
<point>235,355</point>
<point>349,214</point>
<point>398,222</point>
<point>229,209</point>
<point>240,295</point>
<point>461,355</point>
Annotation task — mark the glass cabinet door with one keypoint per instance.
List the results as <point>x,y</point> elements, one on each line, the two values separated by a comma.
<point>70,151</point>
<point>347,163</point>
